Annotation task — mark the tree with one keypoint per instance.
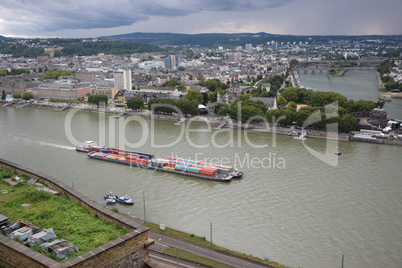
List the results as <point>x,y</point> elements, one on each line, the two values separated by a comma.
<point>135,104</point>
<point>247,112</point>
<point>281,101</point>
<point>293,63</point>
<point>301,116</point>
<point>181,87</point>
<point>272,115</point>
<point>347,123</point>
<point>213,84</point>
<point>16,95</point>
<point>181,68</point>
<point>188,107</point>
<point>292,104</point>
<point>27,95</point>
<point>171,83</point>
<point>3,95</point>
<point>97,99</point>
<point>222,109</point>
<point>194,95</point>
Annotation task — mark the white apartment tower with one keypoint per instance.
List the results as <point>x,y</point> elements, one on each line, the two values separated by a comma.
<point>122,80</point>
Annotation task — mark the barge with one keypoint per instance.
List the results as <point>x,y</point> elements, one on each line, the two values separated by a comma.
<point>185,167</point>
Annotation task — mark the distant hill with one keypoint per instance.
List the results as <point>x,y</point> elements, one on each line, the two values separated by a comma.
<point>214,40</point>
<point>76,47</point>
<point>3,37</point>
<point>205,40</point>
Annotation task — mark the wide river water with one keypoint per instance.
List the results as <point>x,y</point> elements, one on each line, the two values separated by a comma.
<point>354,84</point>
<point>296,205</point>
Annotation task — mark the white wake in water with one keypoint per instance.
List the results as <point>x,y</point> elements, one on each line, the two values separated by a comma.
<point>43,143</point>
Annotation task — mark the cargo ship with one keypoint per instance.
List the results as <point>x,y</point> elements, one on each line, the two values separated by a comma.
<point>186,167</point>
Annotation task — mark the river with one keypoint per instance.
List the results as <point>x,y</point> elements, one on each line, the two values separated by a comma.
<point>290,207</point>
<point>354,84</point>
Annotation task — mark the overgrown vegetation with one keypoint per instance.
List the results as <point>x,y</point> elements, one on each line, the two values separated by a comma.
<point>55,74</point>
<point>68,219</point>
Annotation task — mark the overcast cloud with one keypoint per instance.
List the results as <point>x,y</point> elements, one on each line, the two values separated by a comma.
<point>91,18</point>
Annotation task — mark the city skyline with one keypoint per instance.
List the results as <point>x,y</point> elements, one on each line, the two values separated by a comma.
<point>96,18</point>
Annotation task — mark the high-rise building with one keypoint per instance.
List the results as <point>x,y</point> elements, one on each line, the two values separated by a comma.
<point>172,61</point>
<point>232,57</point>
<point>122,80</point>
<point>249,47</point>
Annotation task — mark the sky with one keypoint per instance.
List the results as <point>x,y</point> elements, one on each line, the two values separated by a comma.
<point>94,18</point>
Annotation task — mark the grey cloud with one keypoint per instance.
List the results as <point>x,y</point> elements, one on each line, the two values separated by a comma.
<point>21,16</point>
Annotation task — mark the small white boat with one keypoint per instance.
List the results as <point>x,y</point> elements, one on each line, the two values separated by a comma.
<point>301,137</point>
<point>178,123</point>
<point>337,151</point>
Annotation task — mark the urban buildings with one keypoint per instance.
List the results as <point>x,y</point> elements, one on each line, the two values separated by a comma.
<point>122,79</point>
<point>172,61</point>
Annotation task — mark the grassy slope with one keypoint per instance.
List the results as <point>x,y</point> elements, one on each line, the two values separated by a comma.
<point>68,219</point>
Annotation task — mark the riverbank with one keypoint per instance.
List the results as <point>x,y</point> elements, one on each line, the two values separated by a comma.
<point>379,82</point>
<point>340,73</point>
<point>218,121</point>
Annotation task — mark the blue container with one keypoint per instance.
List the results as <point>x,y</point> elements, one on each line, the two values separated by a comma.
<point>181,167</point>
<point>194,170</point>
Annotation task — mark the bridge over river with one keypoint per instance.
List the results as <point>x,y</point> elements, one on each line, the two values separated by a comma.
<point>320,69</point>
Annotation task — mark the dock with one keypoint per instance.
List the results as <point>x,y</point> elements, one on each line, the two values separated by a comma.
<point>8,103</point>
<point>221,126</point>
<point>22,106</point>
<point>62,108</point>
<point>119,115</point>
<point>179,122</point>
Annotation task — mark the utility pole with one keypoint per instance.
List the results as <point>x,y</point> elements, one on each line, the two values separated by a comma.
<point>177,257</point>
<point>143,198</point>
<point>210,227</point>
<point>342,260</point>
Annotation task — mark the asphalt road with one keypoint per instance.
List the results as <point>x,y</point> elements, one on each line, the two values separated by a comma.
<point>203,251</point>
<point>167,261</point>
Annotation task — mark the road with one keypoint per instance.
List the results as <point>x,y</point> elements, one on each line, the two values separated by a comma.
<point>204,251</point>
<point>168,261</point>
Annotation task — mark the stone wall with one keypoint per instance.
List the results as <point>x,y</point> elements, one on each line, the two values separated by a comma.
<point>129,250</point>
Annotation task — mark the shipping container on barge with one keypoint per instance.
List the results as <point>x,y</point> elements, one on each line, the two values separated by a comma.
<point>174,165</point>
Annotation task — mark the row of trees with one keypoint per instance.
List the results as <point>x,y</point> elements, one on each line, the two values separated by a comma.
<point>321,98</point>
<point>26,95</point>
<point>313,117</point>
<point>13,72</point>
<point>170,106</point>
<point>173,83</point>
<point>97,99</point>
<point>63,100</point>
<point>165,106</point>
